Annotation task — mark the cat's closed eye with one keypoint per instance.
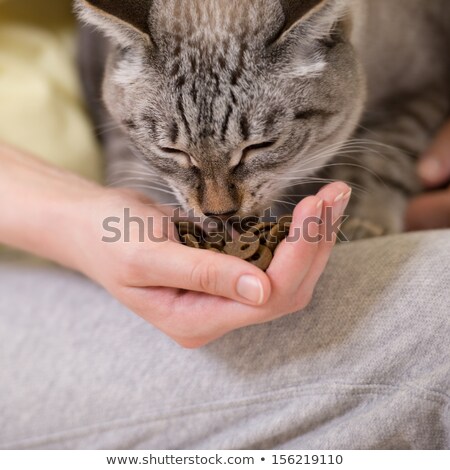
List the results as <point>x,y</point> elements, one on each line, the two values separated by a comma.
<point>171,150</point>
<point>182,157</point>
<point>261,146</point>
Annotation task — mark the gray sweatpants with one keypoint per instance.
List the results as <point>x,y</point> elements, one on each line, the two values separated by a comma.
<point>367,365</point>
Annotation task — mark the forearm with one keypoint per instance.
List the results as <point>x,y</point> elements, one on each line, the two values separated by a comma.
<point>40,206</point>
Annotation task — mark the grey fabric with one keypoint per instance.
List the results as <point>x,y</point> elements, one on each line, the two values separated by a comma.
<point>367,365</point>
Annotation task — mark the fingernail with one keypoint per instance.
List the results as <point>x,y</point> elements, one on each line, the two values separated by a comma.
<point>319,206</point>
<point>347,195</point>
<point>339,198</point>
<point>430,169</point>
<point>341,202</point>
<point>250,288</point>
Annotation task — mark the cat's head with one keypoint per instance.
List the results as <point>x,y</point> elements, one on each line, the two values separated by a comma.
<point>231,99</point>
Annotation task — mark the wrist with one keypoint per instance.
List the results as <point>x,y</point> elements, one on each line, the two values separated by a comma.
<point>83,229</point>
<point>70,221</point>
<point>40,206</point>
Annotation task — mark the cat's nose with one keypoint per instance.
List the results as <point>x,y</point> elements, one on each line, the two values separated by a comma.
<point>218,199</point>
<point>222,215</point>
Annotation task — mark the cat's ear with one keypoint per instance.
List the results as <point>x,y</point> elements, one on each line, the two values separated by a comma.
<point>125,21</point>
<point>315,19</point>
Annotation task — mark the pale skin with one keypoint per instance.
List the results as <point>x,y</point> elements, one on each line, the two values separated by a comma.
<point>191,295</point>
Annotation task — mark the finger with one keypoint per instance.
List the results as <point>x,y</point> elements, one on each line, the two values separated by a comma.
<point>193,319</point>
<point>328,232</point>
<point>285,273</point>
<point>429,211</point>
<point>434,168</point>
<point>174,265</point>
<point>296,253</point>
<point>295,256</point>
<point>187,318</point>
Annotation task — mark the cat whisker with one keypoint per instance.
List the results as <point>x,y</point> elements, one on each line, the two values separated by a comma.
<point>300,182</point>
<point>144,172</point>
<point>106,130</point>
<point>149,188</point>
<point>132,183</point>
<point>107,125</point>
<point>170,204</point>
<point>146,178</point>
<point>141,176</point>
<point>331,165</point>
<point>357,189</point>
<point>340,153</point>
<point>283,202</point>
<point>364,145</point>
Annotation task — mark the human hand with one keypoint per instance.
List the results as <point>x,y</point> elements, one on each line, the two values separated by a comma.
<point>432,210</point>
<point>197,296</point>
<point>193,296</point>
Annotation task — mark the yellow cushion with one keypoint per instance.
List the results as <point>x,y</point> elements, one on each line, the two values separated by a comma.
<point>41,105</point>
<point>42,109</point>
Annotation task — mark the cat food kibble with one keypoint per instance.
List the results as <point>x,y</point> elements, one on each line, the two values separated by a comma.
<point>257,244</point>
<point>262,258</point>
<point>190,240</point>
<point>243,247</point>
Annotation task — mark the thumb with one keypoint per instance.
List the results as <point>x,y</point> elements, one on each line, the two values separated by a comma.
<point>181,267</point>
<point>430,211</point>
<point>434,168</point>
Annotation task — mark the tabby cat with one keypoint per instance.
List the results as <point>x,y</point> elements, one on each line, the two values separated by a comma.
<point>232,106</point>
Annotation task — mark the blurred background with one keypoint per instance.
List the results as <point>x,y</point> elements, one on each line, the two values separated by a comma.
<point>42,110</point>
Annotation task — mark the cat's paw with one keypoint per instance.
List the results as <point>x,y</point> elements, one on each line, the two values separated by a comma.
<point>358,229</point>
